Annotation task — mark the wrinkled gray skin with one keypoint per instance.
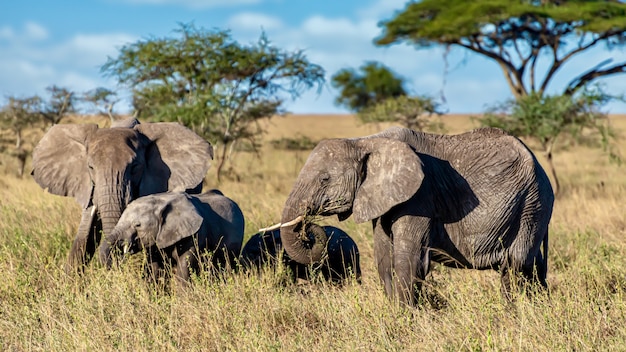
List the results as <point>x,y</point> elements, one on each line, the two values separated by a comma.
<point>175,228</point>
<point>106,168</point>
<point>474,200</point>
<point>341,260</point>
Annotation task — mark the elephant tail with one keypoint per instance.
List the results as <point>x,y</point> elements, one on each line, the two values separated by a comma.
<point>545,250</point>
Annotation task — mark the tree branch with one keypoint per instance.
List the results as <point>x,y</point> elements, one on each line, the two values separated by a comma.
<point>508,68</point>
<point>559,62</point>
<point>589,76</point>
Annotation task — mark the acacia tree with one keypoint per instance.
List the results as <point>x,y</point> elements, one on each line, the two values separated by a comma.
<point>211,83</point>
<point>60,104</point>
<point>413,112</point>
<point>516,33</point>
<point>17,115</point>
<point>549,118</point>
<point>377,94</point>
<point>371,84</point>
<point>103,100</point>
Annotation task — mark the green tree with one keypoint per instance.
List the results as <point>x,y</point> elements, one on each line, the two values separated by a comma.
<point>17,115</point>
<point>412,112</point>
<point>516,33</point>
<point>371,84</point>
<point>61,103</point>
<point>211,83</point>
<point>549,118</point>
<point>377,94</point>
<point>102,100</point>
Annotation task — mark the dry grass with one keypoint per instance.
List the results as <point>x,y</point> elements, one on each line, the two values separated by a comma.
<point>43,309</point>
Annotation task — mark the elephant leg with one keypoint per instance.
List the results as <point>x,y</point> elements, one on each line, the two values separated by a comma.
<point>154,269</point>
<point>536,271</point>
<point>411,260</point>
<point>85,242</point>
<point>383,253</point>
<point>522,267</point>
<point>186,264</point>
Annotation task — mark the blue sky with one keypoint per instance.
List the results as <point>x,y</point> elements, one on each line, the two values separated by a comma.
<point>65,42</point>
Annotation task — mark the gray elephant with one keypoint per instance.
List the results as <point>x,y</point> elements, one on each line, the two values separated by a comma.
<point>475,200</point>
<point>340,262</point>
<point>106,168</point>
<point>175,228</point>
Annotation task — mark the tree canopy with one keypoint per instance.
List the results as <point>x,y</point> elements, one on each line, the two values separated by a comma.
<point>413,112</point>
<point>549,118</point>
<point>211,83</point>
<point>371,84</point>
<point>516,33</point>
<point>17,115</point>
<point>377,94</point>
<point>61,103</point>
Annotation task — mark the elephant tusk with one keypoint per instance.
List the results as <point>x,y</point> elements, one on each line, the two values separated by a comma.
<point>293,222</point>
<point>279,225</point>
<point>270,228</point>
<point>126,248</point>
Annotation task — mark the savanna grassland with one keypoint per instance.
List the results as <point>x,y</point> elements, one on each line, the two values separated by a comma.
<point>43,309</point>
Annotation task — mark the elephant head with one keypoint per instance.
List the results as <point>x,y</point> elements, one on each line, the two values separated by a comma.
<point>157,221</point>
<point>106,168</point>
<point>361,177</point>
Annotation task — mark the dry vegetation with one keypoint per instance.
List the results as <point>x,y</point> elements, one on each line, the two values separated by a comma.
<point>43,309</point>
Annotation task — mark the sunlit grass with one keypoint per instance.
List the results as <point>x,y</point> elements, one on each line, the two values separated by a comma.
<point>41,308</point>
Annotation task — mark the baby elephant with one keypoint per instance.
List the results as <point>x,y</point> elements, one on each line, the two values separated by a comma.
<point>340,263</point>
<point>176,228</point>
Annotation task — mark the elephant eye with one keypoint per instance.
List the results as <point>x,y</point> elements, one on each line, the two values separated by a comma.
<point>324,178</point>
<point>137,224</point>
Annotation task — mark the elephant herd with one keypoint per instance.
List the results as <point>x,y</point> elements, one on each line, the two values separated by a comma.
<point>475,200</point>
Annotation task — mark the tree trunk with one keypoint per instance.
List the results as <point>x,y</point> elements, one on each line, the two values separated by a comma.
<point>557,185</point>
<point>21,156</point>
<point>221,161</point>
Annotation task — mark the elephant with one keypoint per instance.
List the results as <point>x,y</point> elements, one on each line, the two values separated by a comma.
<point>340,262</point>
<point>106,168</point>
<point>477,200</point>
<point>175,228</point>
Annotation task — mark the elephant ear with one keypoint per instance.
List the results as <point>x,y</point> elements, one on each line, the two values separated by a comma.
<point>392,174</point>
<point>179,219</point>
<point>60,161</point>
<point>177,158</point>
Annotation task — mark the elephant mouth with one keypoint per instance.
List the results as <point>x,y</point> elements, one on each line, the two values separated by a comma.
<point>340,215</point>
<point>130,246</point>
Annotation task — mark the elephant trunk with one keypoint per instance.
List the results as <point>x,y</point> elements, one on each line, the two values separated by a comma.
<point>305,242</point>
<point>111,201</point>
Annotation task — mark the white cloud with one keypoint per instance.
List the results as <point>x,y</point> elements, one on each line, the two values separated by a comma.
<point>34,31</point>
<point>254,22</point>
<point>7,33</point>
<point>319,26</point>
<point>339,42</point>
<point>90,50</point>
<point>195,4</point>
<point>27,67</point>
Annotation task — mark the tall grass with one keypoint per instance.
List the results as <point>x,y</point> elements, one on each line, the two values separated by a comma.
<point>42,308</point>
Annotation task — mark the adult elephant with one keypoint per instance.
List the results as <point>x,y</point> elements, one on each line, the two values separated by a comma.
<point>474,200</point>
<point>106,168</point>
